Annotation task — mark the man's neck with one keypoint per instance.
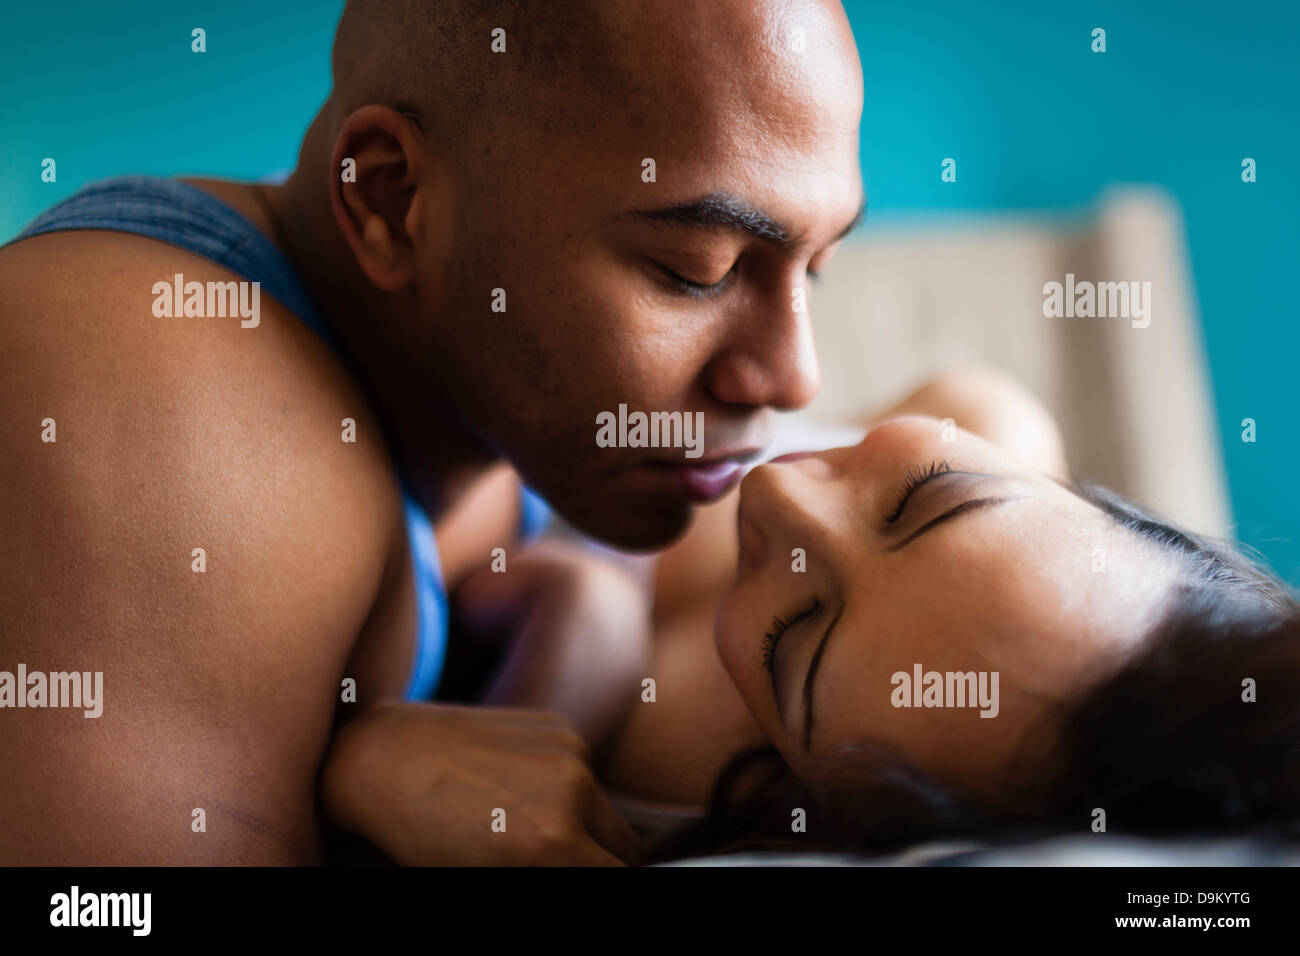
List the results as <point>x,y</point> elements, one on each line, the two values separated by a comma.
<point>439,458</point>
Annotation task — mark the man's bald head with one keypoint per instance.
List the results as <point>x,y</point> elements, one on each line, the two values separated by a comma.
<point>433,60</point>
<point>570,67</point>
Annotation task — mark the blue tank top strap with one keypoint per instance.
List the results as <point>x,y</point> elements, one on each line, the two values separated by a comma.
<point>191,219</point>
<point>431,600</point>
<point>534,514</point>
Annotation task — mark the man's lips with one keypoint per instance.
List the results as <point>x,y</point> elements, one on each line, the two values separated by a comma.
<point>709,479</point>
<point>707,482</point>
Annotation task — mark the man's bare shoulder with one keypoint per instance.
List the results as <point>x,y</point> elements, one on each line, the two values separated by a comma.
<point>207,411</point>
<point>181,513</point>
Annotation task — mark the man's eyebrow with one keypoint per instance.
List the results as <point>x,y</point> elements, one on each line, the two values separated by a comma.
<point>731,212</point>
<point>812,674</point>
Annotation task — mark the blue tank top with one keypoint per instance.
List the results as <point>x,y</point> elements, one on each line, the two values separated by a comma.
<point>198,222</point>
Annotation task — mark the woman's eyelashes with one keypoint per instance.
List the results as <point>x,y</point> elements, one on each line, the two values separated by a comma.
<point>914,479</point>
<point>778,628</point>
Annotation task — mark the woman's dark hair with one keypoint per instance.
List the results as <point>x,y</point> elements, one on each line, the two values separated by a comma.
<point>1197,735</point>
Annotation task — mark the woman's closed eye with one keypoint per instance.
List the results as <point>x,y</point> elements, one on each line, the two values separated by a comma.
<point>808,617</point>
<point>914,479</point>
<point>778,629</point>
<point>957,501</point>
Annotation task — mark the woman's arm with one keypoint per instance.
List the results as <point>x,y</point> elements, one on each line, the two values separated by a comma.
<point>565,629</point>
<point>578,635</point>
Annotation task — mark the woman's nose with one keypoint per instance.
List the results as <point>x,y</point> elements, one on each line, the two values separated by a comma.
<point>889,448</point>
<point>790,503</point>
<point>803,493</point>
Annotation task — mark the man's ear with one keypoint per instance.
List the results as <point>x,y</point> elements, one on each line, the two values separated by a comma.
<point>378,155</point>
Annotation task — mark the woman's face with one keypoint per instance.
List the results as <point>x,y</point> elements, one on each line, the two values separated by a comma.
<point>988,570</point>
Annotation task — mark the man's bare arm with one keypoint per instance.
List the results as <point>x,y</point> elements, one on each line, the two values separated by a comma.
<point>195,533</point>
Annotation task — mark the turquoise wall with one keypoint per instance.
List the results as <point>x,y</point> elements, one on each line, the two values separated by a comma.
<point>1036,120</point>
<point>1010,89</point>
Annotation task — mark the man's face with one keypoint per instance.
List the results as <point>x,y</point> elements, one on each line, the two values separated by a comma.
<point>687,294</point>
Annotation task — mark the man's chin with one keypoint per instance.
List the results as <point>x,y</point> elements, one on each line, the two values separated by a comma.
<point>634,524</point>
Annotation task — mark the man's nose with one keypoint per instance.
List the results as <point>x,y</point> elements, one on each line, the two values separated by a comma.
<point>769,360</point>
